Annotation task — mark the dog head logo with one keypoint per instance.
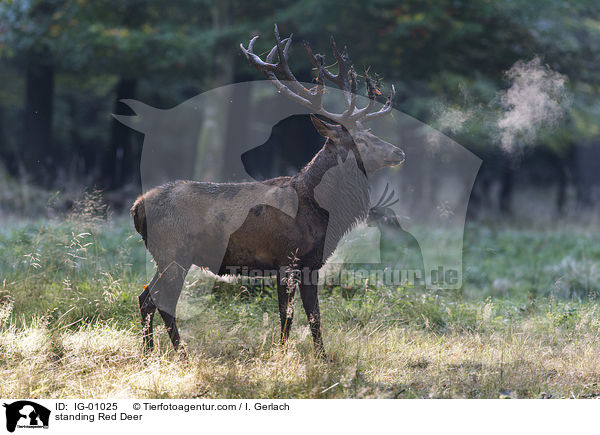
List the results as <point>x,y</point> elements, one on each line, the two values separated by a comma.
<point>26,414</point>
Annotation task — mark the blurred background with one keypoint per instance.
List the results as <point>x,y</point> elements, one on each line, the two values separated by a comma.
<point>514,81</point>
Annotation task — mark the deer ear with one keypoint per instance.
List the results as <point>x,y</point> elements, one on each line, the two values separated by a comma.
<point>325,129</point>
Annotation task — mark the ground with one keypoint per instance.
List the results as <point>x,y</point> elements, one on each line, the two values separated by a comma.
<point>525,323</point>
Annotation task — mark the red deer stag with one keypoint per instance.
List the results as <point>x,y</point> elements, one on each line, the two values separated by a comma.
<point>178,231</point>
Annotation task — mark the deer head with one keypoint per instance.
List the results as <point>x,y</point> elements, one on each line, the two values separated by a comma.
<point>346,130</point>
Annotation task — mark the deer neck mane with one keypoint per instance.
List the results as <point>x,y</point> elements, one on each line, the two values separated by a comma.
<point>336,181</point>
<point>310,176</point>
<point>326,159</point>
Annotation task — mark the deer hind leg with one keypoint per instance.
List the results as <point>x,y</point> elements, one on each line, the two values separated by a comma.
<point>310,301</point>
<point>285,295</point>
<point>165,295</point>
<point>147,309</point>
<point>172,330</point>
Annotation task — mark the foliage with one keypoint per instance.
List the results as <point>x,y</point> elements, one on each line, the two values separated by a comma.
<point>442,55</point>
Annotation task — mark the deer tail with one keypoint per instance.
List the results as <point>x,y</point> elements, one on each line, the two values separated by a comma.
<point>138,211</point>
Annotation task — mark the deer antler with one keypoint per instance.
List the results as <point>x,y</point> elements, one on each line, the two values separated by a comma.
<point>345,79</point>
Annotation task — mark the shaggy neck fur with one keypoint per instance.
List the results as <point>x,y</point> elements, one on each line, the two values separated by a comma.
<point>326,159</point>
<point>338,184</point>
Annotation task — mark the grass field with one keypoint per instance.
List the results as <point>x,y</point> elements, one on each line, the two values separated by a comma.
<point>525,324</point>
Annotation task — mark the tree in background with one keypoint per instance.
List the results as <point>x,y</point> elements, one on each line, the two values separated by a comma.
<point>75,59</point>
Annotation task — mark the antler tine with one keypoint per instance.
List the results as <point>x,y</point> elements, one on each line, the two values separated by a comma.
<point>343,60</point>
<point>251,44</point>
<point>317,61</point>
<point>318,100</point>
<point>271,56</point>
<point>371,88</point>
<point>291,87</point>
<point>255,60</point>
<point>283,67</point>
<point>372,92</point>
<point>269,69</point>
<point>280,51</point>
<point>344,66</point>
<point>341,78</point>
<point>345,79</point>
<point>350,110</point>
<point>387,107</point>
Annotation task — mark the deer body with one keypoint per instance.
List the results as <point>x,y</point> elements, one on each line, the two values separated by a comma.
<point>295,219</point>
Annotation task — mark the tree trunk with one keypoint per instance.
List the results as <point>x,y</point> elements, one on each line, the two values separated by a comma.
<point>224,57</point>
<point>6,154</point>
<point>562,181</point>
<point>237,129</point>
<point>37,153</point>
<point>119,164</point>
<point>586,171</point>
<point>506,187</point>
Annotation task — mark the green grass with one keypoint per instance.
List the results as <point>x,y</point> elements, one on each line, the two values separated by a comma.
<point>525,324</point>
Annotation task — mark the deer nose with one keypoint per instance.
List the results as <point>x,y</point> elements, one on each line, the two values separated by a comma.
<point>398,156</point>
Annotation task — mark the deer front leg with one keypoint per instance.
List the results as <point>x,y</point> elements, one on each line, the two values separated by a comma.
<point>285,293</point>
<point>310,300</point>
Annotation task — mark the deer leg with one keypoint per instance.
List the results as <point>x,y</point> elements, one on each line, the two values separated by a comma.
<point>285,295</point>
<point>311,306</point>
<point>166,294</point>
<point>171,325</point>
<point>147,309</point>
